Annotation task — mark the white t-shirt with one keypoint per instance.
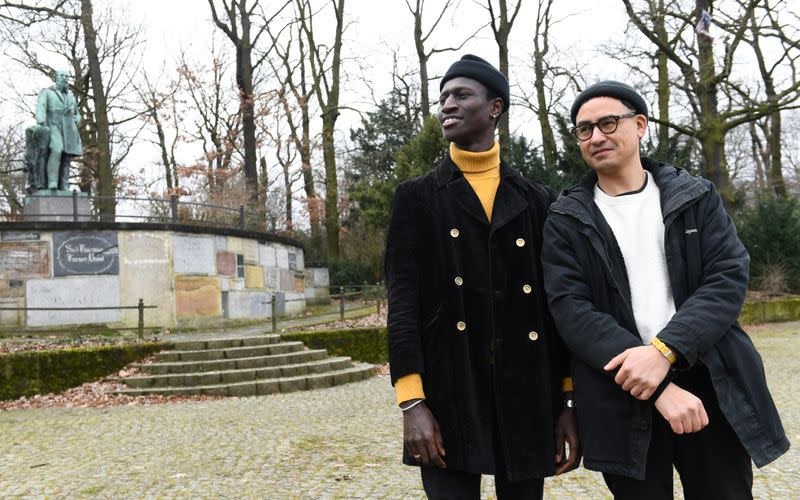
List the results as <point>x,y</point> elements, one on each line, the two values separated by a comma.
<point>638,226</point>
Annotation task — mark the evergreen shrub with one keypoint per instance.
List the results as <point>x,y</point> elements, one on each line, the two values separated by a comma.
<point>41,372</point>
<point>770,230</point>
<point>361,344</point>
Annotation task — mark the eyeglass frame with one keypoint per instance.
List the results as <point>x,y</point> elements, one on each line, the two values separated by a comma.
<point>616,118</point>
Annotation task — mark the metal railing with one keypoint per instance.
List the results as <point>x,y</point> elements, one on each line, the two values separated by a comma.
<point>339,295</point>
<point>140,307</point>
<point>153,210</point>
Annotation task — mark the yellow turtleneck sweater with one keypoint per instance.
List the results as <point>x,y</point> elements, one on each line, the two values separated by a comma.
<point>482,171</point>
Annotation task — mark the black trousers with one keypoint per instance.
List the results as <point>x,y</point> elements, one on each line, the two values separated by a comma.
<point>712,463</point>
<point>443,484</point>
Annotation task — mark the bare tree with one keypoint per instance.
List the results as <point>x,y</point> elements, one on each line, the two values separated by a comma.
<point>326,62</point>
<point>296,96</point>
<point>161,109</point>
<point>12,175</point>
<point>424,54</point>
<point>501,24</point>
<point>705,78</point>
<point>765,27</point>
<point>238,27</point>
<point>217,122</point>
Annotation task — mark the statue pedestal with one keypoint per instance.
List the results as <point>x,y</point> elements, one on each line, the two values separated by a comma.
<point>60,206</point>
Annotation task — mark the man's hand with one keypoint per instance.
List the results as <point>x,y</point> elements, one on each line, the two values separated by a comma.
<point>683,410</point>
<point>641,369</point>
<point>567,431</point>
<point>421,435</point>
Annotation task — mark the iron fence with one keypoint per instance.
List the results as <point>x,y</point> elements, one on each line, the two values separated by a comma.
<point>140,307</point>
<point>151,210</point>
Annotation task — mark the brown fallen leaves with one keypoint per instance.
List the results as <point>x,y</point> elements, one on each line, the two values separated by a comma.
<point>372,320</point>
<point>98,394</point>
<point>54,342</point>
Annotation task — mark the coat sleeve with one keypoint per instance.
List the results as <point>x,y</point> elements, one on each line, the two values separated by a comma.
<point>716,303</point>
<point>402,283</point>
<point>592,336</point>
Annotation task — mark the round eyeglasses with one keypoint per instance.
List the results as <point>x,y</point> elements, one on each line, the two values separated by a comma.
<point>607,125</point>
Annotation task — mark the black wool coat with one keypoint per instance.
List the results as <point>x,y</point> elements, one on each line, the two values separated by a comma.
<point>591,302</point>
<point>467,311</point>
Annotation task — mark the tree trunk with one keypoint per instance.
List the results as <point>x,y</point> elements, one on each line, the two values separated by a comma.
<point>549,148</point>
<point>663,82</point>
<point>423,63</point>
<point>244,81</point>
<point>712,128</point>
<point>331,183</point>
<point>105,176</point>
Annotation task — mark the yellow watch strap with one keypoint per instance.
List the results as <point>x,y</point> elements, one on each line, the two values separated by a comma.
<point>666,351</point>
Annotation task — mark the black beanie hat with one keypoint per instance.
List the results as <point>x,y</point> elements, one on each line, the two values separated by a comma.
<point>609,88</point>
<point>477,69</point>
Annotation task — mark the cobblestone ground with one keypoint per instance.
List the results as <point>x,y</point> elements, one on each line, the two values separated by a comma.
<point>342,442</point>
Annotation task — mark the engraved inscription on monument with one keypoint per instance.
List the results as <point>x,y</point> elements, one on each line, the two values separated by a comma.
<point>24,260</point>
<point>85,253</point>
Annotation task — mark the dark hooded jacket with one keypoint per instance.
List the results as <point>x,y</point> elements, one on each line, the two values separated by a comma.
<point>587,286</point>
<point>467,311</point>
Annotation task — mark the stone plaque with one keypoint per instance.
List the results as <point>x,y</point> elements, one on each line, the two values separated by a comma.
<point>282,257</point>
<point>18,236</point>
<point>197,297</point>
<point>74,292</point>
<point>250,251</point>
<point>267,256</point>
<point>226,263</point>
<point>85,253</point>
<point>24,260</point>
<point>193,255</point>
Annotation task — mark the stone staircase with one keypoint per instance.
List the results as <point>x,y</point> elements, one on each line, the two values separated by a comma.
<point>254,365</point>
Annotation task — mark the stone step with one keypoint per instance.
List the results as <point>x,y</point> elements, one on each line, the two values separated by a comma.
<point>222,343</point>
<point>263,387</point>
<point>230,352</point>
<point>176,367</point>
<point>239,375</point>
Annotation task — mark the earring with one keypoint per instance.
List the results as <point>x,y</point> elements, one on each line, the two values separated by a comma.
<point>494,117</point>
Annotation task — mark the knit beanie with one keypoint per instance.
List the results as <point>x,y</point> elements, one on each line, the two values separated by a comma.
<point>609,88</point>
<point>477,69</point>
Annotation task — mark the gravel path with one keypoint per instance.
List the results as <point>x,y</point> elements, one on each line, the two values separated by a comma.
<point>342,442</point>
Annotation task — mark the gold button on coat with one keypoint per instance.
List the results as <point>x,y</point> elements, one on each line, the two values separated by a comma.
<point>526,288</point>
<point>459,281</point>
<point>454,233</point>
<point>533,336</point>
<point>520,242</point>
<point>461,326</point>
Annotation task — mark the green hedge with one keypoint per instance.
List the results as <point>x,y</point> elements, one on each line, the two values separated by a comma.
<point>362,344</point>
<point>770,311</point>
<point>40,372</point>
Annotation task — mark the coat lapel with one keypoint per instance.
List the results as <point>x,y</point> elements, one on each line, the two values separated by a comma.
<point>509,201</point>
<point>458,188</point>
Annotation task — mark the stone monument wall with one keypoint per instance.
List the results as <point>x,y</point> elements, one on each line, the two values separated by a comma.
<point>194,279</point>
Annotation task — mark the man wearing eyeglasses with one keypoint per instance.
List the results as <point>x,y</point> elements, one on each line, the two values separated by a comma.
<point>646,277</point>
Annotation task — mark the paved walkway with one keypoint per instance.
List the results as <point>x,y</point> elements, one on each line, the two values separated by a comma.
<point>342,442</point>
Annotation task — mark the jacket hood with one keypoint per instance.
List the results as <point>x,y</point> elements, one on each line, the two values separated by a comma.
<point>677,188</point>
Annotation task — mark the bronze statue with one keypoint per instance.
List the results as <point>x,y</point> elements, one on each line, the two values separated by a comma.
<point>51,144</point>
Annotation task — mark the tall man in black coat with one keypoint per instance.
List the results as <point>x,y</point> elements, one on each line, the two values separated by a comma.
<point>646,278</point>
<point>475,359</point>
